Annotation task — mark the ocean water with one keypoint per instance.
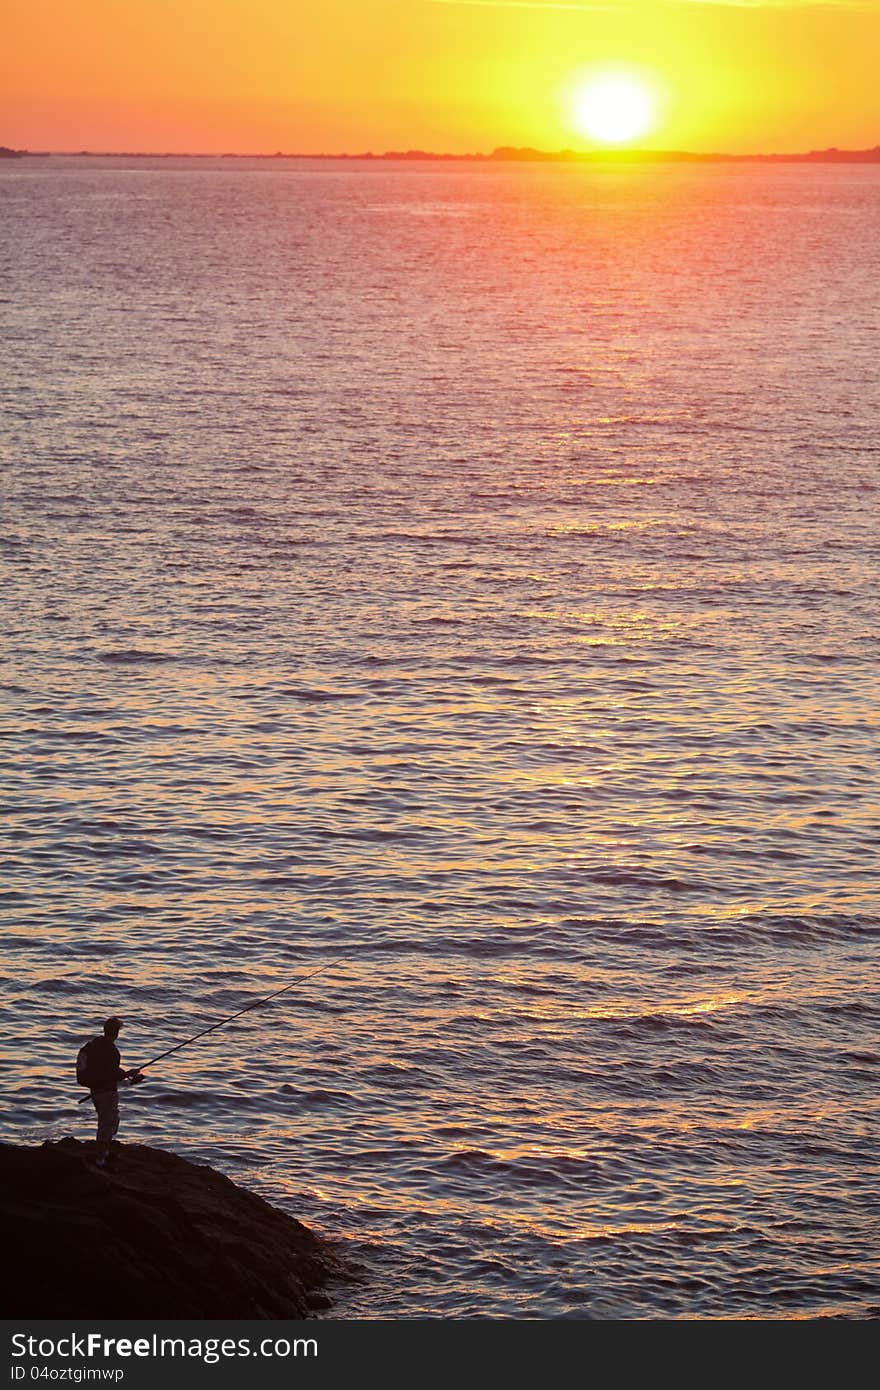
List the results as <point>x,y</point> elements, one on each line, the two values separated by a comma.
<point>461,581</point>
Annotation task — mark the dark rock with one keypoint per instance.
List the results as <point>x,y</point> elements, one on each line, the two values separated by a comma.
<point>153,1237</point>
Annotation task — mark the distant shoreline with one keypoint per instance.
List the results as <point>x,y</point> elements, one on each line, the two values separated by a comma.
<point>505,154</point>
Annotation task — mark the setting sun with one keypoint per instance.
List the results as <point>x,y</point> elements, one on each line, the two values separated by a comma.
<point>614,108</point>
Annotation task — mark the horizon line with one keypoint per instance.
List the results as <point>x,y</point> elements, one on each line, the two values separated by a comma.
<point>501,154</point>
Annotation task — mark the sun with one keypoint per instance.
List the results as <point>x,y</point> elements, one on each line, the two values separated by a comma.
<point>614,108</point>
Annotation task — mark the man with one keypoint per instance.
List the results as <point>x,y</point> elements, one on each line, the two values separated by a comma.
<point>103,1075</point>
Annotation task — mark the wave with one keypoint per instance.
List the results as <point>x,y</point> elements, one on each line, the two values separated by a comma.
<point>134,656</point>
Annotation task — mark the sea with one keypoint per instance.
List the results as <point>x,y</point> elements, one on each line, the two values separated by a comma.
<point>454,587</point>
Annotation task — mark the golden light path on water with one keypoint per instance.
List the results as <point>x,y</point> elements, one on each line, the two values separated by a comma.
<point>463,579</point>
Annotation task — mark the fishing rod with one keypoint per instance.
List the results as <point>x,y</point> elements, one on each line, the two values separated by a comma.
<point>257,1004</point>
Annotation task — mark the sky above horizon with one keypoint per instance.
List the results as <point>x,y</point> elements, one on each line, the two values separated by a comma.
<point>448,75</point>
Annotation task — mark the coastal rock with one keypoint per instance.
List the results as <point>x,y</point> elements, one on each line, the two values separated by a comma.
<point>154,1237</point>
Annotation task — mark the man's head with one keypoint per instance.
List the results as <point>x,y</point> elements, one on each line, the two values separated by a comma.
<point>111,1028</point>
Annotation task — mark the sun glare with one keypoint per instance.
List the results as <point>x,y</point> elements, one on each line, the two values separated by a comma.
<point>614,108</point>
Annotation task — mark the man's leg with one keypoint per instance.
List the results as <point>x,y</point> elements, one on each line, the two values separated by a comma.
<point>107,1106</point>
<point>114,1115</point>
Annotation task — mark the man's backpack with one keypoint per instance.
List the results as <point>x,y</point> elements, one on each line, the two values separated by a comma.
<point>84,1071</point>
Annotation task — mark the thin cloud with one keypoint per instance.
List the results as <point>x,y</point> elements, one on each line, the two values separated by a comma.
<point>523,5</point>
<point>629,4</point>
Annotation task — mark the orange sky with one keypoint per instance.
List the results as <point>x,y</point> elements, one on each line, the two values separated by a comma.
<point>456,75</point>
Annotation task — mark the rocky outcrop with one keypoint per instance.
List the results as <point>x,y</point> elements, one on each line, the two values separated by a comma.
<point>153,1237</point>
